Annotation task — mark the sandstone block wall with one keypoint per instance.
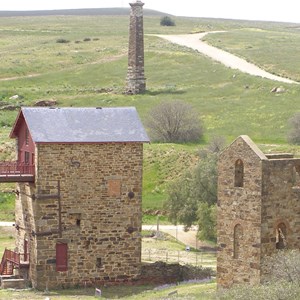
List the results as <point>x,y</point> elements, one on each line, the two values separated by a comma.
<point>239,206</point>
<point>136,82</point>
<point>257,217</point>
<point>280,205</point>
<point>87,196</point>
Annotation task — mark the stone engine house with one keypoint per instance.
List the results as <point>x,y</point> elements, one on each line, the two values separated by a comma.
<point>258,210</point>
<point>79,190</point>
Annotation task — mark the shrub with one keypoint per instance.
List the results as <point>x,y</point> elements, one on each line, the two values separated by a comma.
<point>284,266</point>
<point>284,270</point>
<point>166,21</point>
<point>174,121</point>
<point>86,39</point>
<point>274,291</point>
<point>62,41</point>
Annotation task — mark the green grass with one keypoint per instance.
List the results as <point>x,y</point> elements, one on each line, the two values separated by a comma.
<point>205,291</point>
<point>272,50</point>
<point>186,291</point>
<point>7,207</point>
<point>150,219</point>
<point>162,164</point>
<point>6,239</point>
<point>93,73</point>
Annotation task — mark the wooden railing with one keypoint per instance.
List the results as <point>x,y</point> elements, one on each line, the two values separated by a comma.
<point>15,168</point>
<point>10,260</point>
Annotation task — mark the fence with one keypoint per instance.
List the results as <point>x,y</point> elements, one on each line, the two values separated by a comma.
<point>199,258</point>
<point>15,168</point>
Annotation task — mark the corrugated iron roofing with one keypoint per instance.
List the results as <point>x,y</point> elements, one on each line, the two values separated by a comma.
<point>84,125</point>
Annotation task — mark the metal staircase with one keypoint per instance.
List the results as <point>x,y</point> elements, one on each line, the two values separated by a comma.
<point>10,261</point>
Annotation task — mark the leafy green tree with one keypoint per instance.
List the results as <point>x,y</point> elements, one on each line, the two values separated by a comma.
<point>166,21</point>
<point>207,221</point>
<point>192,198</point>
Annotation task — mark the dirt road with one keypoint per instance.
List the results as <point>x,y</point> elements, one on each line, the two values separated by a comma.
<point>194,41</point>
<point>186,237</point>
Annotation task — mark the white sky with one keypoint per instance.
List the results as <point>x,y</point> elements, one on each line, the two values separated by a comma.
<point>269,10</point>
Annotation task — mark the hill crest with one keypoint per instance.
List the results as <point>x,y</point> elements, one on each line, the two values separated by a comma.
<point>78,12</point>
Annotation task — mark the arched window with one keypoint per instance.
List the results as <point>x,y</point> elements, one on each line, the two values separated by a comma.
<point>237,240</point>
<point>281,235</point>
<point>239,173</point>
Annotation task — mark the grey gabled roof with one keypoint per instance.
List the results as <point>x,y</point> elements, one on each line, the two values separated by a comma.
<point>84,125</point>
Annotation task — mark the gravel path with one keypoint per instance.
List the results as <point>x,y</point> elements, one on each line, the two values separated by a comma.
<point>194,41</point>
<point>186,237</point>
<point>6,224</point>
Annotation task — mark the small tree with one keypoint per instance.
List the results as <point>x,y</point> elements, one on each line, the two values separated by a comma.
<point>294,133</point>
<point>175,121</point>
<point>166,21</point>
<point>192,198</point>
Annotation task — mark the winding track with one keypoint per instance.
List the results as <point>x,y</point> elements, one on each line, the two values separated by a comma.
<point>194,41</point>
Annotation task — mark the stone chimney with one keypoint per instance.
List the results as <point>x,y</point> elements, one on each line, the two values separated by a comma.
<point>136,81</point>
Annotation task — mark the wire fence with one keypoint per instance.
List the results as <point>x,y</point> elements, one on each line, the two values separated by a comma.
<point>196,258</point>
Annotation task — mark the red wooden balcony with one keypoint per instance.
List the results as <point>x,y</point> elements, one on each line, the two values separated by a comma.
<point>13,171</point>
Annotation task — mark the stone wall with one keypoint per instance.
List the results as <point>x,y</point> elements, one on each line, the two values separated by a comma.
<point>239,206</point>
<point>253,210</point>
<point>163,273</point>
<point>136,82</point>
<point>24,223</point>
<point>87,196</point>
<point>280,205</point>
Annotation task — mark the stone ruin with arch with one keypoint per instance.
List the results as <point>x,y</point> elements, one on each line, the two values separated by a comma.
<point>258,210</point>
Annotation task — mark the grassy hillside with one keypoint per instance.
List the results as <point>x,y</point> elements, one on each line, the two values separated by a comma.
<point>272,50</point>
<point>89,69</point>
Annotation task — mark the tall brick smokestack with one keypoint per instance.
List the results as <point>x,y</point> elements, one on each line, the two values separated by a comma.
<point>136,81</point>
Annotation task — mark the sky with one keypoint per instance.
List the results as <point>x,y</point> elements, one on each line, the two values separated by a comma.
<point>267,10</point>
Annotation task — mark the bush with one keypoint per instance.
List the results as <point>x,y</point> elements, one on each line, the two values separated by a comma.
<point>294,133</point>
<point>274,291</point>
<point>86,39</point>
<point>284,266</point>
<point>174,122</point>
<point>166,21</point>
<point>62,41</point>
<point>284,270</point>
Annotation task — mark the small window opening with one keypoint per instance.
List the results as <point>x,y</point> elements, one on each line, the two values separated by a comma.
<point>27,157</point>
<point>281,235</point>
<point>27,136</point>
<point>99,262</point>
<point>75,219</point>
<point>237,240</point>
<point>239,173</point>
